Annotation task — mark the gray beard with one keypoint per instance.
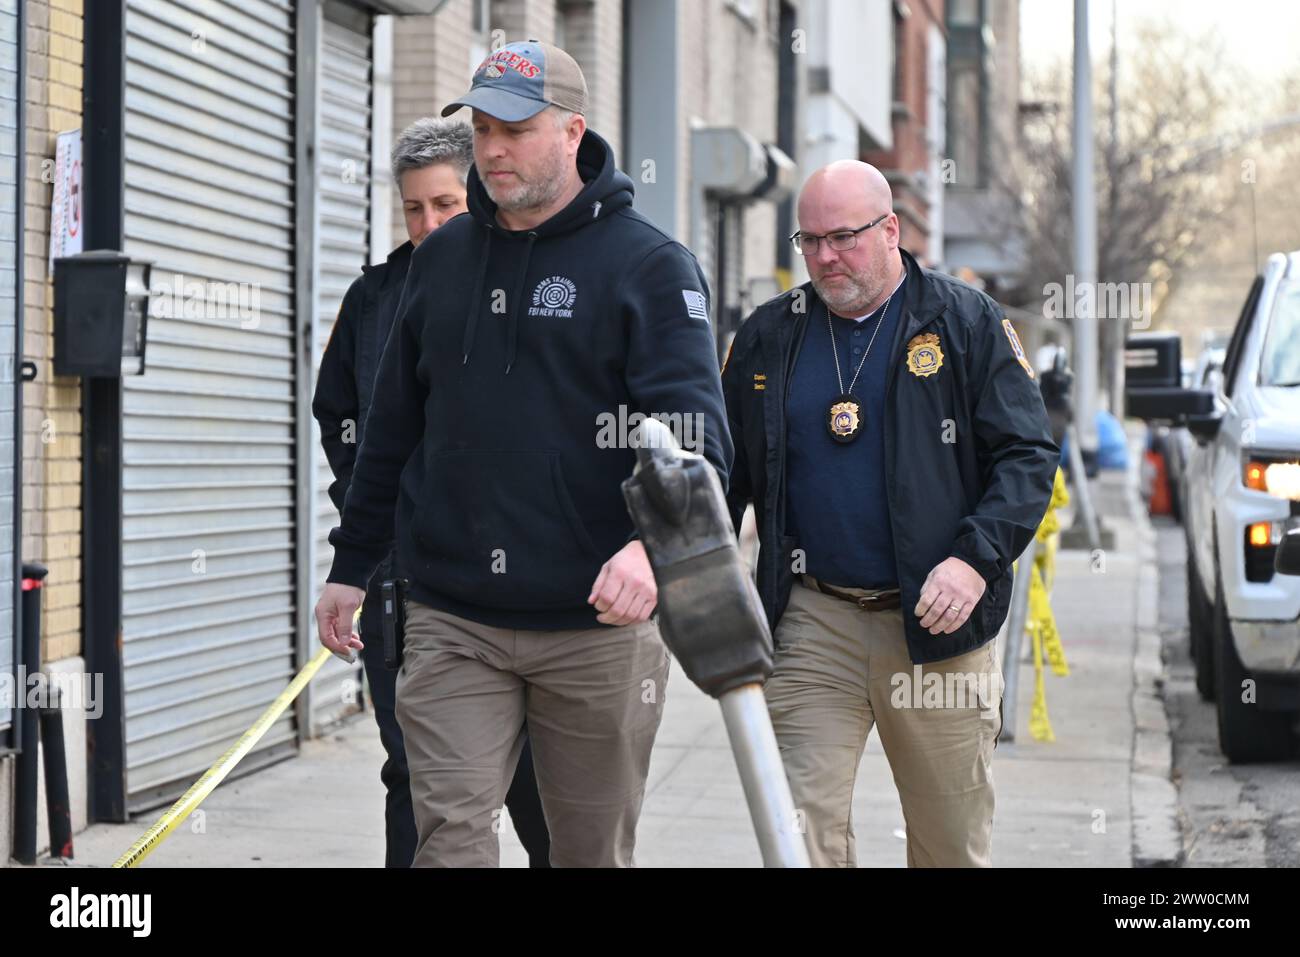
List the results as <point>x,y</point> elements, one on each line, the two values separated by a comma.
<point>528,196</point>
<point>850,300</point>
<point>534,194</point>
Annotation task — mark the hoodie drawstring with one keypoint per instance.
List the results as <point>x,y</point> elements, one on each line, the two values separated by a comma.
<point>512,330</point>
<point>512,307</point>
<point>471,322</point>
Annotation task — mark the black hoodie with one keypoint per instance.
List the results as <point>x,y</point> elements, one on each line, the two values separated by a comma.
<point>515,360</point>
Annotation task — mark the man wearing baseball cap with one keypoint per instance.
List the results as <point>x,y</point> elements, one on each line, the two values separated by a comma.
<point>551,308</point>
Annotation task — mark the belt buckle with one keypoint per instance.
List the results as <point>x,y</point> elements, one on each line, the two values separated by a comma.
<point>866,601</point>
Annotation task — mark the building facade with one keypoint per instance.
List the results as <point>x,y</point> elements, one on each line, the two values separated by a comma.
<point>41,481</point>
<point>231,147</point>
<point>912,162</point>
<point>983,90</point>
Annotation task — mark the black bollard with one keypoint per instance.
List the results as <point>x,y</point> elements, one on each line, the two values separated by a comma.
<point>57,806</point>
<point>26,770</point>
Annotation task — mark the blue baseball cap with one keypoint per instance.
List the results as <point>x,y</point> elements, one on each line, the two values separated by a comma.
<point>522,79</point>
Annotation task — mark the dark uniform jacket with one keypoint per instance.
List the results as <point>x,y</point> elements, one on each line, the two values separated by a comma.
<point>969,456</point>
<point>346,381</point>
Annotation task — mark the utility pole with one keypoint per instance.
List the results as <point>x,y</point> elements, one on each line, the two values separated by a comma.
<point>1119,324</point>
<point>1082,433</point>
<point>1084,200</point>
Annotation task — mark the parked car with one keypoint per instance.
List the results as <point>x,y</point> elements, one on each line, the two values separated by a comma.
<point>1177,441</point>
<point>1241,495</point>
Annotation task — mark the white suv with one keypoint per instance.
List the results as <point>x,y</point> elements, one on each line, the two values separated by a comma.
<point>1243,488</point>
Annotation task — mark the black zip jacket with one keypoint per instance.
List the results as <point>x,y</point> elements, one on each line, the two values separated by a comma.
<point>346,380</point>
<point>979,497</point>
<point>488,430</point>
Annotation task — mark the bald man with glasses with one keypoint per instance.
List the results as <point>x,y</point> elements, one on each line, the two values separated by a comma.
<point>890,435</point>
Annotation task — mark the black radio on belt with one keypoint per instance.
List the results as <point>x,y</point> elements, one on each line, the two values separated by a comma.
<point>394,598</point>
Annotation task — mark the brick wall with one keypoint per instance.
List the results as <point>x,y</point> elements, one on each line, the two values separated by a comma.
<point>729,71</point>
<point>433,58</point>
<point>51,532</point>
<point>431,67</point>
<point>909,157</point>
<point>594,37</point>
<point>525,19</point>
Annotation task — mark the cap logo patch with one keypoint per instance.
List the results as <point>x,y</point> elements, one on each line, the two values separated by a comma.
<point>503,59</point>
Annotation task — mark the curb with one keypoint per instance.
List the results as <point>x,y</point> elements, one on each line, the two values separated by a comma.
<point>1156,836</point>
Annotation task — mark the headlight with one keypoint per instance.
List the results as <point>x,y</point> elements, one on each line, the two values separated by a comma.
<point>1277,476</point>
<point>1283,479</point>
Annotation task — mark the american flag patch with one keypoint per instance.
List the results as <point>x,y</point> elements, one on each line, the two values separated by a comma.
<point>696,305</point>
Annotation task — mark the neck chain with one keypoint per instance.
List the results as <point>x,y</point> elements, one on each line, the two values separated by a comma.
<point>845,415</point>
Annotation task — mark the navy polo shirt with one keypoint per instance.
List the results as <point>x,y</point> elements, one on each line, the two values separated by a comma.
<point>837,506</point>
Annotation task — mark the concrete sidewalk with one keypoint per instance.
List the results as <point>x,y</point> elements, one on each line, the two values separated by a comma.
<point>1066,804</point>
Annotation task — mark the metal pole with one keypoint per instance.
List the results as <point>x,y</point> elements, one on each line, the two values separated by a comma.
<point>712,621</point>
<point>1119,329</point>
<point>1082,495</point>
<point>762,775</point>
<point>1015,637</point>
<point>1084,200</point>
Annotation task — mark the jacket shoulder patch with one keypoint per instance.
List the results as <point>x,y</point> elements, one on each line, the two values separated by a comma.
<point>1016,348</point>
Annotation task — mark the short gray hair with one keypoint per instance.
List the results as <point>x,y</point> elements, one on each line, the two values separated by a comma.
<point>560,115</point>
<point>429,141</point>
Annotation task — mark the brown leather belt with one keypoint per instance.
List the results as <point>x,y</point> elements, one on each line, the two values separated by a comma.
<point>885,600</point>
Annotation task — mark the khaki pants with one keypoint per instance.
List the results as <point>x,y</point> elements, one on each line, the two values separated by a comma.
<point>593,699</point>
<point>840,670</point>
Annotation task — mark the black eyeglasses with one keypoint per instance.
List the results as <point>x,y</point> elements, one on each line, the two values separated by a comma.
<point>840,240</point>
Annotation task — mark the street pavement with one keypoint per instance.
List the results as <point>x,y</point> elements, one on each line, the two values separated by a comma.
<point>1230,815</point>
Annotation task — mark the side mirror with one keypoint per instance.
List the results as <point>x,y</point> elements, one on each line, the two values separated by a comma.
<point>1204,428</point>
<point>1287,559</point>
<point>1153,381</point>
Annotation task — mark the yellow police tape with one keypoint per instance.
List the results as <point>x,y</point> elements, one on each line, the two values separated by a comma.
<point>1040,622</point>
<point>214,775</point>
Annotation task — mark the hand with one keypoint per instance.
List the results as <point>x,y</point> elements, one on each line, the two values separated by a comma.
<point>949,595</point>
<point>625,590</point>
<point>334,614</point>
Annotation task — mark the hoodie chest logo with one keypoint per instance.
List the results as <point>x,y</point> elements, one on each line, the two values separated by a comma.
<point>554,296</point>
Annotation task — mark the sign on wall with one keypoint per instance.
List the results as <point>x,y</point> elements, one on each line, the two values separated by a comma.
<point>65,217</point>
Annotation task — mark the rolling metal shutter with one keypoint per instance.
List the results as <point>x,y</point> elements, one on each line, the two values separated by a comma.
<point>208,612</point>
<point>8,331</point>
<point>342,246</point>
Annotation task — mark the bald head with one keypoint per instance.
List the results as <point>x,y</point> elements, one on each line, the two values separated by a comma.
<point>843,198</point>
<point>844,187</point>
